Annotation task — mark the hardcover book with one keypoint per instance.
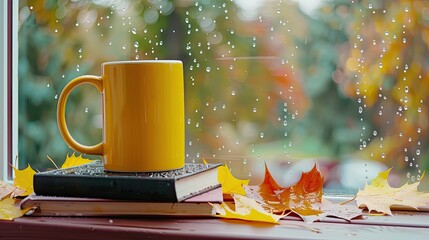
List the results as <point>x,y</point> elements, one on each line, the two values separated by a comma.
<point>92,181</point>
<point>71,206</point>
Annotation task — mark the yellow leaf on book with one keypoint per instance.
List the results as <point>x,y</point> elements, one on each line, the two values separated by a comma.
<point>24,180</point>
<point>73,161</point>
<point>245,209</point>
<point>8,210</point>
<point>380,196</point>
<point>230,184</point>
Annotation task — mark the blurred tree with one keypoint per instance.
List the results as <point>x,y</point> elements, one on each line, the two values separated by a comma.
<point>388,60</point>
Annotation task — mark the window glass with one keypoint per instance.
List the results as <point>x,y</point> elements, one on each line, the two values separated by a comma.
<point>341,83</point>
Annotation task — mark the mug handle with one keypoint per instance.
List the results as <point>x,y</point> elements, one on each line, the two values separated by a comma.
<point>61,114</point>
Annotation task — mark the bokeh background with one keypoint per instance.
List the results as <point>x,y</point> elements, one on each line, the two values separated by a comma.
<point>343,83</point>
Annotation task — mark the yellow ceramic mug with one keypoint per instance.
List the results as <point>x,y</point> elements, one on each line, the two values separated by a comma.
<point>143,115</point>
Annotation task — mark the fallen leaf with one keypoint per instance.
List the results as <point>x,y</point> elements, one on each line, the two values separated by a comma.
<point>306,192</point>
<point>73,161</point>
<point>380,196</point>
<point>343,211</point>
<point>245,209</point>
<point>8,210</point>
<point>265,194</point>
<point>24,180</point>
<point>300,198</point>
<point>5,190</point>
<point>230,184</point>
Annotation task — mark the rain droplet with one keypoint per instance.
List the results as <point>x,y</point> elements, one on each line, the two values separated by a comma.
<point>208,69</point>
<point>254,109</point>
<point>56,96</point>
<point>86,110</point>
<point>233,93</point>
<point>134,31</point>
<point>360,109</point>
<point>261,135</point>
<point>136,44</point>
<point>48,85</point>
<point>124,47</point>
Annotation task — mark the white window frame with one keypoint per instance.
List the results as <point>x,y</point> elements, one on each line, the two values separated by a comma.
<point>8,87</point>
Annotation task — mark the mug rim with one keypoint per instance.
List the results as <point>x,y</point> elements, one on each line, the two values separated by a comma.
<point>140,62</point>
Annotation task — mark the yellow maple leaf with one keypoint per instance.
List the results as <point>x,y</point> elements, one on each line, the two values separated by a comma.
<point>24,180</point>
<point>73,161</point>
<point>9,211</point>
<point>230,184</point>
<point>380,196</point>
<point>245,209</point>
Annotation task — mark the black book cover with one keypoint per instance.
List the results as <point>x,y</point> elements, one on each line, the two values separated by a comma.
<point>91,181</point>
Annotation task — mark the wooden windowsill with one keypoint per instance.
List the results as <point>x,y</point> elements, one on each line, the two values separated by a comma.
<point>402,225</point>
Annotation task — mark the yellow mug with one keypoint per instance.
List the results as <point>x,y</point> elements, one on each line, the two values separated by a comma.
<point>143,115</point>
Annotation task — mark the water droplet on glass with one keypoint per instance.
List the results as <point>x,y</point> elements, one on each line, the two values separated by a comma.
<point>136,44</point>
<point>406,158</point>
<point>124,47</point>
<point>360,109</point>
<point>418,152</point>
<point>56,96</point>
<point>261,135</point>
<point>47,85</point>
<point>208,69</point>
<point>86,110</point>
<point>233,93</point>
<point>254,109</point>
<point>408,175</point>
<point>134,31</point>
<point>370,6</point>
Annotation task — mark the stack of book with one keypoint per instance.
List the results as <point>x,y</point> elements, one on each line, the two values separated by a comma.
<point>88,190</point>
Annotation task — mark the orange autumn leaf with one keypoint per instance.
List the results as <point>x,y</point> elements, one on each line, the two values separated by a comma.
<point>299,198</point>
<point>245,209</point>
<point>24,180</point>
<point>73,161</point>
<point>380,196</point>
<point>265,194</point>
<point>307,191</point>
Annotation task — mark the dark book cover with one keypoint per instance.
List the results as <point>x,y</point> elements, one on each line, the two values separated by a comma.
<point>92,181</point>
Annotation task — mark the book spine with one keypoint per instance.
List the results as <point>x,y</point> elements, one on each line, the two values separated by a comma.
<point>150,190</point>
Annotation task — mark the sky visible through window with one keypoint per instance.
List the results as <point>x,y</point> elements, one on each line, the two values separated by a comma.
<point>342,83</point>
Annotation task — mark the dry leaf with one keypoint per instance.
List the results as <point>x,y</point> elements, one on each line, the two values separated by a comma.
<point>380,196</point>
<point>24,180</point>
<point>230,184</point>
<point>299,198</point>
<point>265,194</point>
<point>245,209</point>
<point>73,161</point>
<point>306,192</point>
<point>5,190</point>
<point>8,210</point>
